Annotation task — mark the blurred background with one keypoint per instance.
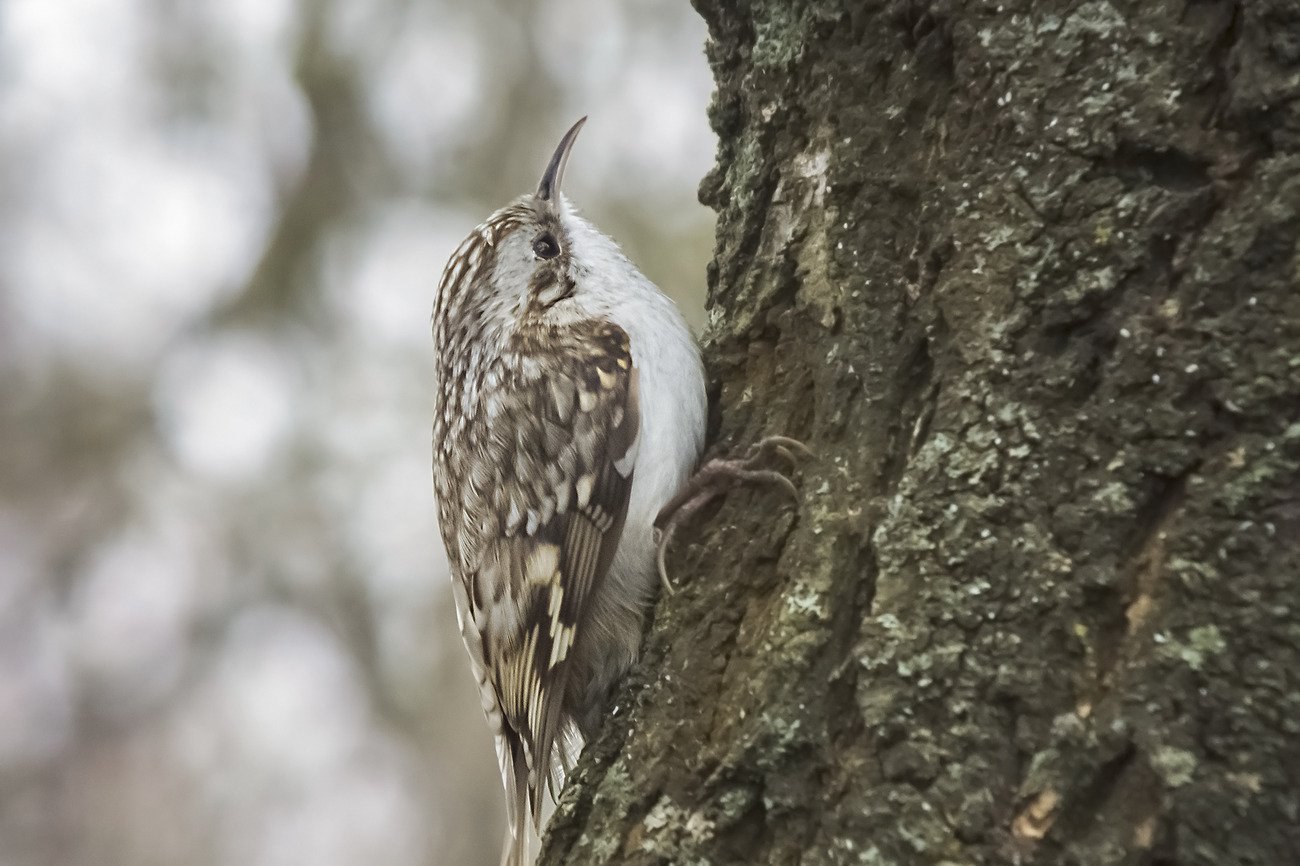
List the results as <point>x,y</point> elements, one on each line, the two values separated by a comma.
<point>225,630</point>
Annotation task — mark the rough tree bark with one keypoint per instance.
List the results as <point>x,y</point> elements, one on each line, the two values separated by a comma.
<point>1024,275</point>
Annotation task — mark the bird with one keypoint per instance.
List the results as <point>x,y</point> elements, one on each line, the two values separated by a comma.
<point>571,410</point>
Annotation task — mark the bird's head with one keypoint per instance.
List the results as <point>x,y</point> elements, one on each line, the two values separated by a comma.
<point>533,260</point>
<point>547,240</point>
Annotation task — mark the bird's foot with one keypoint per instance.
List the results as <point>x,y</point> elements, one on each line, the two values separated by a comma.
<point>718,476</point>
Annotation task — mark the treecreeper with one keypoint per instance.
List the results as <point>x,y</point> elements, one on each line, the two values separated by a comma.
<point>571,415</point>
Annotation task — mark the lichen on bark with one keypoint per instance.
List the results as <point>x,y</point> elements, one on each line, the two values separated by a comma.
<point>1024,275</point>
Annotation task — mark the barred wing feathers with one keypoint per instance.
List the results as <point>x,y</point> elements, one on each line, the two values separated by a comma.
<point>541,501</point>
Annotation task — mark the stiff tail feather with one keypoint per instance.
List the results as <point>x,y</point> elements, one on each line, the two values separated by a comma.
<point>514,767</point>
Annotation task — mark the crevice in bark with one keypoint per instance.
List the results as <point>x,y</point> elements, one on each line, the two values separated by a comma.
<point>1122,792</point>
<point>915,414</point>
<point>924,31</point>
<point>1169,168</point>
<point>1154,512</point>
<point>750,830</point>
<point>857,582</point>
<point>1220,21</point>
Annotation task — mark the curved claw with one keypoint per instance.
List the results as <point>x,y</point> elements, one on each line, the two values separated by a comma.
<point>784,447</point>
<point>786,444</point>
<point>766,476</point>
<point>717,477</point>
<point>662,539</point>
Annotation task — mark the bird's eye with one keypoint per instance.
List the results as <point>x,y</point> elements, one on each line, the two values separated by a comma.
<point>545,247</point>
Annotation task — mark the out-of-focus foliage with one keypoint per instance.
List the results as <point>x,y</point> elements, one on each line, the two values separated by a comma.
<point>225,631</point>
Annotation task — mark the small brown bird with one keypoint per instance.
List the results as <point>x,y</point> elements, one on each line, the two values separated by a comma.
<point>550,471</point>
<point>571,412</point>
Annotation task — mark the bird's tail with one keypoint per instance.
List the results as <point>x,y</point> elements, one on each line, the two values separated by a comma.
<point>514,766</point>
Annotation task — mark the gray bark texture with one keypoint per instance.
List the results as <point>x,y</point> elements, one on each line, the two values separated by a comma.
<point>1024,276</point>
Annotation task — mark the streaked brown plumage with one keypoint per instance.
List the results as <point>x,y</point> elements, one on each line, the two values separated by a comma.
<point>549,475</point>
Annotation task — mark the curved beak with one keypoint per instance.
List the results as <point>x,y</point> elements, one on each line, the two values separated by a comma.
<point>549,188</point>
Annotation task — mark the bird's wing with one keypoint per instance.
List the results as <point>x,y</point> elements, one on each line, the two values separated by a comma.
<point>551,470</point>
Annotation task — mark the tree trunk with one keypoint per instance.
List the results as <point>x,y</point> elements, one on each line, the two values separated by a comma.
<point>1024,276</point>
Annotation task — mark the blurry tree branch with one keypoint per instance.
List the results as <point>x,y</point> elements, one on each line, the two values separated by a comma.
<point>345,161</point>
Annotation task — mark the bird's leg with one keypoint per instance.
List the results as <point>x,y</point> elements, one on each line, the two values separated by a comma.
<point>718,476</point>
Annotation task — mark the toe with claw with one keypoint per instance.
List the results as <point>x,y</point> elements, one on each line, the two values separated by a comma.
<point>718,476</point>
